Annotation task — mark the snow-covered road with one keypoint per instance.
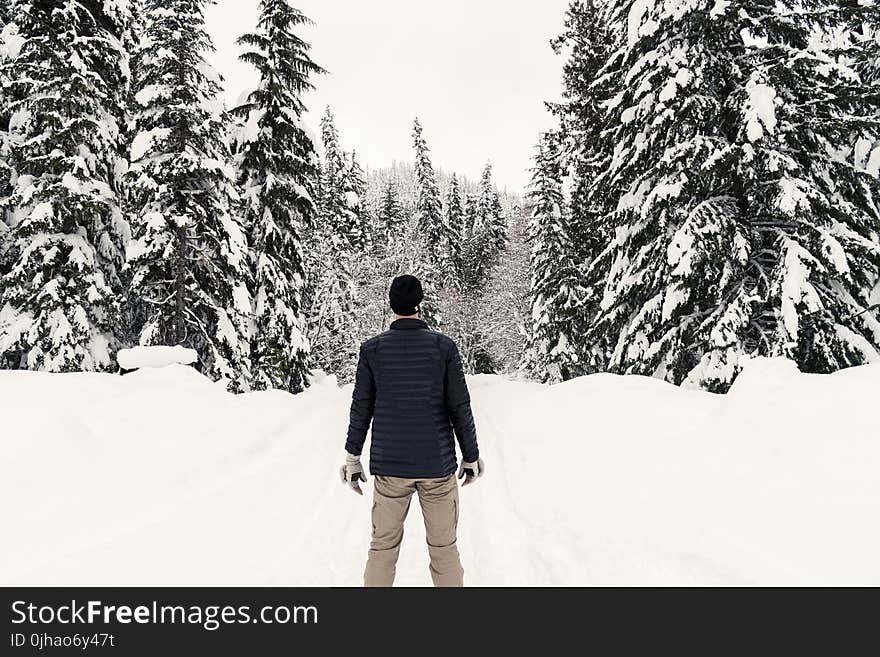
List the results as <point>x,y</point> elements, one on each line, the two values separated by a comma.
<point>160,477</point>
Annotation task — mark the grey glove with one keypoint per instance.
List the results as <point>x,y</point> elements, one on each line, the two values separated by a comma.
<point>478,468</point>
<point>352,473</point>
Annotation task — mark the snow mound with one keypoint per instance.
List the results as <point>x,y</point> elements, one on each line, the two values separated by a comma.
<point>162,478</point>
<point>157,356</point>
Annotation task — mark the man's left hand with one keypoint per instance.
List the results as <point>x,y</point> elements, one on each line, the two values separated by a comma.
<point>352,473</point>
<point>471,471</point>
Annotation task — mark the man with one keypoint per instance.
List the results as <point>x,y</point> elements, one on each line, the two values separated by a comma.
<point>410,384</point>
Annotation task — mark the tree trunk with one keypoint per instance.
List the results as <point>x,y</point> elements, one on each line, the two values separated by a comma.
<point>180,282</point>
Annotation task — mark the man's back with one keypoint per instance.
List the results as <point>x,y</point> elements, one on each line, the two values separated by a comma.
<point>411,384</point>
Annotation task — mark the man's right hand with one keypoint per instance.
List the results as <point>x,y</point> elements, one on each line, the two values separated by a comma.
<point>473,470</point>
<point>352,473</point>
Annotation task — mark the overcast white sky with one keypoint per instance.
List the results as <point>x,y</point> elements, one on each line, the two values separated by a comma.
<point>476,72</point>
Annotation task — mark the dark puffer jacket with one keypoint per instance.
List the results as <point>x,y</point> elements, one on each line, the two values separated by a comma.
<point>411,385</point>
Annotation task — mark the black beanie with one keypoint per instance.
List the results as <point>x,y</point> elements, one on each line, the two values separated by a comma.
<point>405,295</point>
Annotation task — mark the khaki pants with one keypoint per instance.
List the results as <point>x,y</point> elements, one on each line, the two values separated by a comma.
<point>439,500</point>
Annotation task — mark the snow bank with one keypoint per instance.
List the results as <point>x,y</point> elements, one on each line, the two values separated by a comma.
<point>160,477</point>
<point>158,356</point>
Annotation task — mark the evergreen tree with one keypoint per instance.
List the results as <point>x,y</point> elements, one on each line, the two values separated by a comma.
<point>586,147</point>
<point>492,223</point>
<point>863,23</point>
<point>355,185</point>
<point>331,204</point>
<point>336,242</point>
<point>333,309</point>
<point>391,218</point>
<point>437,233</point>
<point>586,39</point>
<point>679,245</point>
<point>485,234</point>
<point>554,349</point>
<point>10,45</point>
<point>454,208</point>
<point>133,310</point>
<point>490,325</point>
<point>813,215</point>
<point>63,89</point>
<point>357,175</point>
<point>189,253</point>
<point>731,228</point>
<point>338,200</point>
<point>471,213</point>
<point>472,267</point>
<point>456,222</point>
<point>277,168</point>
<point>504,305</point>
<point>8,31</point>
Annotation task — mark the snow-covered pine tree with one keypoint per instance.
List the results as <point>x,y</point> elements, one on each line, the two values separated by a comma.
<point>338,202</point>
<point>390,219</point>
<point>332,304</point>
<point>589,81</point>
<point>485,234</point>
<point>9,48</point>
<point>674,270</point>
<point>486,313</point>
<point>277,168</point>
<point>492,222</point>
<point>471,267</point>
<point>357,175</point>
<point>454,207</point>
<point>738,228</point>
<point>857,37</point>
<point>813,205</point>
<point>471,212</point>
<point>455,220</point>
<point>10,44</point>
<point>586,41</point>
<point>505,301</point>
<point>67,74</point>
<point>188,255</point>
<point>355,184</point>
<point>430,218</point>
<point>132,310</point>
<point>333,247</point>
<point>331,202</point>
<point>555,348</point>
<point>862,21</point>
<point>633,268</point>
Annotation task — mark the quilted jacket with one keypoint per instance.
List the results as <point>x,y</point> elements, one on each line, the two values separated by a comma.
<point>411,386</point>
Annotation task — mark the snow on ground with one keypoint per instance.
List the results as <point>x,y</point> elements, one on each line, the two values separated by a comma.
<point>156,356</point>
<point>162,478</point>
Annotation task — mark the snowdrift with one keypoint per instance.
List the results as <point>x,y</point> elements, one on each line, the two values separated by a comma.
<point>162,478</point>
